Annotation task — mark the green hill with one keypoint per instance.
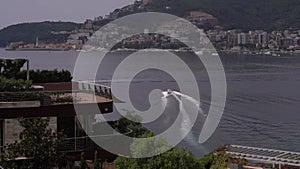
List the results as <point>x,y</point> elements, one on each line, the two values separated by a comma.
<point>242,14</point>
<point>27,32</point>
<point>232,14</point>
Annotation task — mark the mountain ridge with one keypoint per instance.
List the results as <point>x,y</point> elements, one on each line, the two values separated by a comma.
<point>28,32</point>
<point>246,15</point>
<point>236,14</point>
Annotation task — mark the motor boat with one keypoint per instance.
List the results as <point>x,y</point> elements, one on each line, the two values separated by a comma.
<point>169,91</point>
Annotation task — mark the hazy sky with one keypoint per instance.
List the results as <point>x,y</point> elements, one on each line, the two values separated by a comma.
<point>18,11</point>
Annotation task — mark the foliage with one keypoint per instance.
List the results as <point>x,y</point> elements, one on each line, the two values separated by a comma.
<point>206,161</point>
<point>27,32</point>
<point>8,72</point>
<point>38,143</point>
<point>218,159</point>
<point>130,124</point>
<point>9,68</point>
<point>13,85</point>
<point>96,161</point>
<point>83,164</point>
<point>150,147</point>
<point>46,76</point>
<point>68,99</point>
<point>173,158</point>
<point>168,160</point>
<point>15,97</point>
<point>246,14</point>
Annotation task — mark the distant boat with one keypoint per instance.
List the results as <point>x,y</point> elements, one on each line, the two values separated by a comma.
<point>199,52</point>
<point>268,53</point>
<point>169,91</point>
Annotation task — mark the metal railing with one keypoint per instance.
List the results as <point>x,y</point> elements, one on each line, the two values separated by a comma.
<point>74,144</point>
<point>265,155</point>
<point>97,89</point>
<point>83,143</point>
<point>58,96</point>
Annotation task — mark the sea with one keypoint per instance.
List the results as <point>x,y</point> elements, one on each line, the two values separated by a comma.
<point>262,105</point>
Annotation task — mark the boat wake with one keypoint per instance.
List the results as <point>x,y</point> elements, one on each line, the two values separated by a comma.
<point>186,123</point>
<point>187,97</point>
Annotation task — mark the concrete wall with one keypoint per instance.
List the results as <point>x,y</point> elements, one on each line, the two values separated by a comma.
<point>21,104</point>
<point>58,86</point>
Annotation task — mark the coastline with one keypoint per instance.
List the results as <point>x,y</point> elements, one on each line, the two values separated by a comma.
<point>266,52</point>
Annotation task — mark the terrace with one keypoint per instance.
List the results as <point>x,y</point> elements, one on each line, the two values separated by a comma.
<point>264,155</point>
<point>56,101</point>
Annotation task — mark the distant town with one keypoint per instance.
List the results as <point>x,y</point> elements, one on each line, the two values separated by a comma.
<point>250,42</point>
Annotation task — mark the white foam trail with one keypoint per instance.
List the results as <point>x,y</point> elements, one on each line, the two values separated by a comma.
<point>191,99</point>
<point>186,121</point>
<point>186,124</point>
<point>164,99</point>
<point>165,94</point>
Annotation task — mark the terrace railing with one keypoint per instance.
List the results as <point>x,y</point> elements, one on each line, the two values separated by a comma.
<point>98,89</point>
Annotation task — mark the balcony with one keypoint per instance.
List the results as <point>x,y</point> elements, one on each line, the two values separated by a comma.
<point>56,102</point>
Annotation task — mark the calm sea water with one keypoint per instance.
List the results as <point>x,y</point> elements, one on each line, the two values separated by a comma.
<point>263,103</point>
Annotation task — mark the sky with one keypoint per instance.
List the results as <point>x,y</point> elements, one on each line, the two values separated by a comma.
<point>19,11</point>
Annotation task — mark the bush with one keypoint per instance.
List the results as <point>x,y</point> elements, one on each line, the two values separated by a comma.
<point>46,76</point>
<point>13,85</point>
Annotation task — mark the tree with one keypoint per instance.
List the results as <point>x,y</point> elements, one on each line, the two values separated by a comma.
<point>206,161</point>
<point>171,159</point>
<point>219,159</point>
<point>10,68</point>
<point>38,143</point>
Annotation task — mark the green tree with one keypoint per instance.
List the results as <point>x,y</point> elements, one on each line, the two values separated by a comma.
<point>206,161</point>
<point>9,68</point>
<point>37,142</point>
<point>171,159</point>
<point>218,159</point>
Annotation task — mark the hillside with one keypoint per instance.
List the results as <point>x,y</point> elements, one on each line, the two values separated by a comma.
<point>231,14</point>
<point>242,14</point>
<point>27,32</point>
